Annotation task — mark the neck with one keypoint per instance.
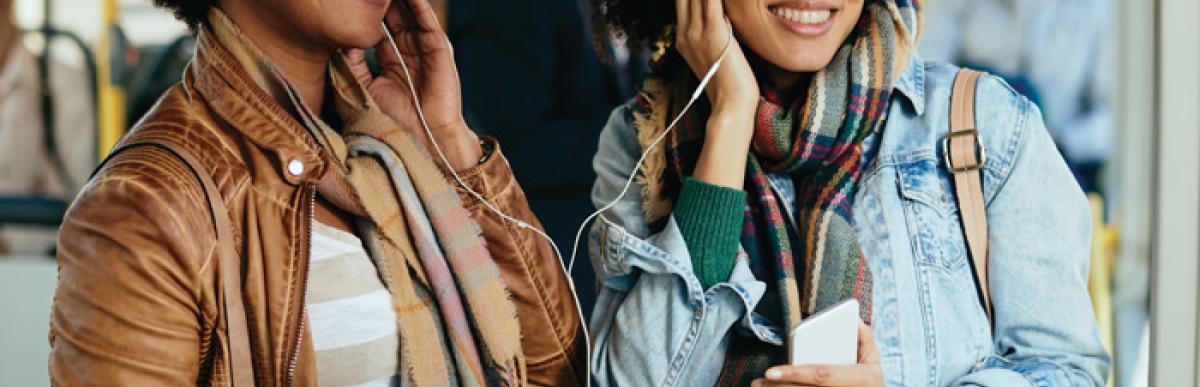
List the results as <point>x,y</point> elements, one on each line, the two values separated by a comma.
<point>304,65</point>
<point>790,85</point>
<point>783,80</point>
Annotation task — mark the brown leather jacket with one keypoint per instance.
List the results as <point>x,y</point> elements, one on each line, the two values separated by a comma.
<point>138,301</point>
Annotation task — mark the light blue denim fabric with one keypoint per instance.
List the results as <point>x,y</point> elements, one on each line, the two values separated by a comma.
<point>653,324</point>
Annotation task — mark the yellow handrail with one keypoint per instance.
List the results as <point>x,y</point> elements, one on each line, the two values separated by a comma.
<point>1105,240</point>
<point>110,100</point>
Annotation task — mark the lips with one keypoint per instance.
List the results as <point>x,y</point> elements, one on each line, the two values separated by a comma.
<point>805,20</point>
<point>802,16</point>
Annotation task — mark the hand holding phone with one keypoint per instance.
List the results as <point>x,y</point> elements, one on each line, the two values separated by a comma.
<point>829,337</point>
<point>816,364</point>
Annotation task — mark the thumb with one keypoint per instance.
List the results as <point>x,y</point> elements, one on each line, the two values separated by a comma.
<point>868,352</point>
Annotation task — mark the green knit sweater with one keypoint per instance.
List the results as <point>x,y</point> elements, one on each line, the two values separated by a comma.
<point>710,219</point>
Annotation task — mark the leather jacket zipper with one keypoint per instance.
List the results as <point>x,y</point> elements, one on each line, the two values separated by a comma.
<point>291,370</point>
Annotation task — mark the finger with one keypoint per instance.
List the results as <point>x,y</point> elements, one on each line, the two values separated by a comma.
<point>823,375</point>
<point>774,383</point>
<point>413,16</point>
<point>685,21</point>
<point>865,330</point>
<point>389,63</point>
<point>681,16</point>
<point>415,25</point>
<point>868,351</point>
<point>696,13</point>
<point>394,17</point>
<point>357,59</point>
<point>385,54</point>
<point>713,13</point>
<point>404,34</point>
<point>422,15</point>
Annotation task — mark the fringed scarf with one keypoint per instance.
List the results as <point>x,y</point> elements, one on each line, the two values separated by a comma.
<point>456,323</point>
<point>818,141</point>
<point>457,316</point>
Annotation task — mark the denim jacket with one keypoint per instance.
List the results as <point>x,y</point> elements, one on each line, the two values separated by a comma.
<point>654,324</point>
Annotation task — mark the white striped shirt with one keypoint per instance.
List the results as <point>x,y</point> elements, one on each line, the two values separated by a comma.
<point>350,312</point>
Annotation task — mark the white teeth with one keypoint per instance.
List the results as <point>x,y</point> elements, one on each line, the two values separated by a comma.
<point>802,16</point>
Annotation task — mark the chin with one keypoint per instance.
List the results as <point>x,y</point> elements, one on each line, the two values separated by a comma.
<point>794,35</point>
<point>353,23</point>
<point>365,35</point>
<point>801,59</point>
<point>365,39</point>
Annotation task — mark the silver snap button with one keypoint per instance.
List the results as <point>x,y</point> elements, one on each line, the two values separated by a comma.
<point>295,167</point>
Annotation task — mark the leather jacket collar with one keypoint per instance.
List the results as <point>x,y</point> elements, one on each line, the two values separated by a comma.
<point>246,108</point>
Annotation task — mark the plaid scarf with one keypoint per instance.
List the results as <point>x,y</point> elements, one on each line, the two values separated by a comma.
<point>818,141</point>
<point>458,307</point>
<point>456,323</point>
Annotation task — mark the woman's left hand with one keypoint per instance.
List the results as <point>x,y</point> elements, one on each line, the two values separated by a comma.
<point>430,59</point>
<point>867,373</point>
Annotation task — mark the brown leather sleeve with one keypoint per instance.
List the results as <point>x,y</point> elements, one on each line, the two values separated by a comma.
<point>551,334</point>
<point>128,307</point>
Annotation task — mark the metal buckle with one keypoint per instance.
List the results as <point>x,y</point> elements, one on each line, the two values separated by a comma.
<point>980,151</point>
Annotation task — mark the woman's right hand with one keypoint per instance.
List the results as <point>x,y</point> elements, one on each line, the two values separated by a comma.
<point>867,373</point>
<point>700,36</point>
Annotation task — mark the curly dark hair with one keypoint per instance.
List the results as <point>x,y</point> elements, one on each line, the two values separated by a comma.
<point>191,12</point>
<point>641,22</point>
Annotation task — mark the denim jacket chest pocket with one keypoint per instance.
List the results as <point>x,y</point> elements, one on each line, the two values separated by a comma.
<point>931,213</point>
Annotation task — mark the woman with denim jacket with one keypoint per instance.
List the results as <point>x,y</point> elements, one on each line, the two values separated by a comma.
<point>812,174</point>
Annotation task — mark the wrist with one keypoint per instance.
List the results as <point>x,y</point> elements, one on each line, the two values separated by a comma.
<point>741,100</point>
<point>459,143</point>
<point>730,126</point>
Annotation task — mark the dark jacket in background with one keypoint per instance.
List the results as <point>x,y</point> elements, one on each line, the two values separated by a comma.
<point>532,79</point>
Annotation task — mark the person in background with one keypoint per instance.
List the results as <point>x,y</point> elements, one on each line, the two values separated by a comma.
<point>1056,52</point>
<point>533,80</point>
<point>28,167</point>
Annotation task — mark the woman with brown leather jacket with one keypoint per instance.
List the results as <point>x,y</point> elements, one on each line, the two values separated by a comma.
<point>359,257</point>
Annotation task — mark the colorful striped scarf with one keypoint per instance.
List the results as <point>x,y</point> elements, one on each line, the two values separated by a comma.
<point>818,141</point>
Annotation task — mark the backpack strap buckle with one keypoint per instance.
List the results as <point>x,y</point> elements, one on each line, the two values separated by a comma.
<point>980,154</point>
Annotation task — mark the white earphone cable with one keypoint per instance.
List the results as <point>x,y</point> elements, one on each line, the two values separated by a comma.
<point>587,339</point>
<point>567,267</point>
<point>712,71</point>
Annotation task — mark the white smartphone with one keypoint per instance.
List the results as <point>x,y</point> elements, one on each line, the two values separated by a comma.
<point>828,337</point>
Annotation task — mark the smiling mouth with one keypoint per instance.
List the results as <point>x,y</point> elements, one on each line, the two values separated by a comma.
<point>802,16</point>
<point>804,22</point>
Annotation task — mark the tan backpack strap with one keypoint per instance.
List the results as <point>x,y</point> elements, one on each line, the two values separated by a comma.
<point>237,337</point>
<point>965,157</point>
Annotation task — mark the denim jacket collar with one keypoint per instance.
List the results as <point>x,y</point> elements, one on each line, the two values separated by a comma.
<point>911,84</point>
